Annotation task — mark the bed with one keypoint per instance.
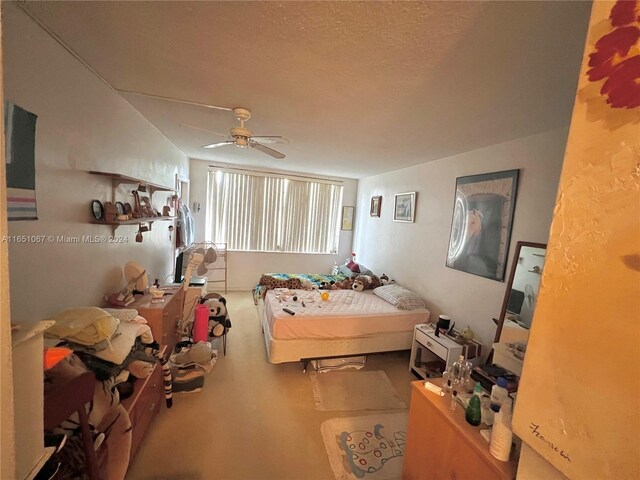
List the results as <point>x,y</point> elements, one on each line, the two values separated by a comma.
<point>348,323</point>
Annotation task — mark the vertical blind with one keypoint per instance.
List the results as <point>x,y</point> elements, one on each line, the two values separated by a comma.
<point>255,212</point>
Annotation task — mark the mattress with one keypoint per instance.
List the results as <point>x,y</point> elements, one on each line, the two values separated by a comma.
<point>346,314</point>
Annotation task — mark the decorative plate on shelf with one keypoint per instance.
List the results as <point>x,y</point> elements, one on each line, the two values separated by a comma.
<point>97,209</point>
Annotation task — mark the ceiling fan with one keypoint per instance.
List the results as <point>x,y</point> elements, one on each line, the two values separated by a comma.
<point>240,136</point>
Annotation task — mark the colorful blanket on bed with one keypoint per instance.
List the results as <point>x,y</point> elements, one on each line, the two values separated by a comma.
<point>304,281</point>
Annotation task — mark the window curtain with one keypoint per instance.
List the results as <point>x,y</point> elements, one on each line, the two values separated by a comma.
<point>272,213</point>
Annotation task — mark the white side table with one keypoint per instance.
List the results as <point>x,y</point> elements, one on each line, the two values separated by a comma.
<point>427,348</point>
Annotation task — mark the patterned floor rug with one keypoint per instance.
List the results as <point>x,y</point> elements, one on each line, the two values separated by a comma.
<point>354,390</point>
<point>369,447</point>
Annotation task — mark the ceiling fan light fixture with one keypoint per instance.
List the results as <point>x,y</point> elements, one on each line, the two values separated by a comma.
<point>242,142</point>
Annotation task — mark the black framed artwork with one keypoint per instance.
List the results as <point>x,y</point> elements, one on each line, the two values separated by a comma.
<point>481,224</point>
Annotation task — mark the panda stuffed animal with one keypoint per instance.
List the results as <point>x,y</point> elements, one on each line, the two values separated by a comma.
<point>219,321</point>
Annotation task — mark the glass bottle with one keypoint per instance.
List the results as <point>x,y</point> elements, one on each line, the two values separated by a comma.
<point>447,381</point>
<point>458,366</point>
<point>454,401</point>
<point>473,413</point>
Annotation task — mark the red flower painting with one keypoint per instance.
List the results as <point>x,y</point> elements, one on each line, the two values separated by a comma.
<point>616,57</point>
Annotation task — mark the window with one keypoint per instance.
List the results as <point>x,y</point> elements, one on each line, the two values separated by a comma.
<point>273,213</point>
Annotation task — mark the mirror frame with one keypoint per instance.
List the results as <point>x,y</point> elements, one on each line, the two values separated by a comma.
<point>507,293</point>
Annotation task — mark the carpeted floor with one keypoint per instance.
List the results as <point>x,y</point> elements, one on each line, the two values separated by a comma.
<point>252,420</point>
<point>366,447</point>
<point>341,391</point>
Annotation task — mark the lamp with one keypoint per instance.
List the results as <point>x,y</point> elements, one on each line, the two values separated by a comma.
<point>242,142</point>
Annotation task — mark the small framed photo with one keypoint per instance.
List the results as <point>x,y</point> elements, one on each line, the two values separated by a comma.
<point>347,218</point>
<point>405,207</point>
<point>376,203</point>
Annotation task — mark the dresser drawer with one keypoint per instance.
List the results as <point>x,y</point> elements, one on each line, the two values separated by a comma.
<point>145,407</point>
<point>432,344</point>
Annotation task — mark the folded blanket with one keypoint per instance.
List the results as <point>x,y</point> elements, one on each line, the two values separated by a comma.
<point>86,326</point>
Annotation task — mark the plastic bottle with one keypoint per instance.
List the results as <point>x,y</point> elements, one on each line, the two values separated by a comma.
<point>473,413</point>
<point>499,393</point>
<point>501,434</point>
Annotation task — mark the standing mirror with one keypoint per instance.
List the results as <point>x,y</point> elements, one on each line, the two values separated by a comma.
<point>512,332</point>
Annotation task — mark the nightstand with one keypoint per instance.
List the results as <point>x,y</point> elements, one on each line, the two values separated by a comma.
<point>429,352</point>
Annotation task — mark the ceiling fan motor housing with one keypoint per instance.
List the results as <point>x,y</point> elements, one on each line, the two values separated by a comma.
<point>241,136</point>
<point>242,114</point>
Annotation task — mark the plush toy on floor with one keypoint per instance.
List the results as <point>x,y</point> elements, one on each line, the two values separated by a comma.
<point>219,321</point>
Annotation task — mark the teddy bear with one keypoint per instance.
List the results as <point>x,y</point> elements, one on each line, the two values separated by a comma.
<point>219,321</point>
<point>345,284</point>
<point>365,282</point>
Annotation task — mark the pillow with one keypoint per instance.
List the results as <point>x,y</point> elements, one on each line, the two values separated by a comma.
<point>353,266</point>
<point>345,271</point>
<point>399,297</point>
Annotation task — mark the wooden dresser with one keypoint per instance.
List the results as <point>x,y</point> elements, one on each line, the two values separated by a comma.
<point>442,445</point>
<point>162,317</point>
<point>144,405</point>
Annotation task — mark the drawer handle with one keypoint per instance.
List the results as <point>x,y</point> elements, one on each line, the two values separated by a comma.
<point>429,344</point>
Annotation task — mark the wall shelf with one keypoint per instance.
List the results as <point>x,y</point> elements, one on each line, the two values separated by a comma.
<point>150,188</point>
<point>117,179</point>
<point>136,221</point>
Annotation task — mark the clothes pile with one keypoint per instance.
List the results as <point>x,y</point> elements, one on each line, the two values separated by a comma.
<point>118,346</point>
<point>190,364</point>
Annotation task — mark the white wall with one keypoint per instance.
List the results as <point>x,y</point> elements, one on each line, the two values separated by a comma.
<point>245,268</point>
<point>82,125</point>
<point>414,254</point>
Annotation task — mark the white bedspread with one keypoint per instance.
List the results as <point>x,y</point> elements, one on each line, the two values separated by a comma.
<point>347,314</point>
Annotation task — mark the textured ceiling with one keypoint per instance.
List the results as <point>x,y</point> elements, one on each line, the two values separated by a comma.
<point>358,88</point>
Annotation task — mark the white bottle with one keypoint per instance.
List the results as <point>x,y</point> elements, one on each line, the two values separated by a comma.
<point>499,393</point>
<point>501,434</point>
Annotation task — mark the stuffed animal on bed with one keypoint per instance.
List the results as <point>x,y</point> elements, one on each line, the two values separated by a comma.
<point>218,316</point>
<point>345,284</point>
<point>328,285</point>
<point>365,282</point>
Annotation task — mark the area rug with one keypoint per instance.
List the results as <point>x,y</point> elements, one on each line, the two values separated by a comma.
<point>370,447</point>
<point>345,391</point>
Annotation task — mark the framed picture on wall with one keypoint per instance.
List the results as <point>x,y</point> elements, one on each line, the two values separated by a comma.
<point>404,207</point>
<point>481,224</point>
<point>376,203</point>
<point>347,218</point>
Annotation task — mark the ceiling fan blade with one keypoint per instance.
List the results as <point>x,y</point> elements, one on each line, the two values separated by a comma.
<point>221,144</point>
<point>203,130</point>
<point>271,139</point>
<point>265,149</point>
<point>177,100</point>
